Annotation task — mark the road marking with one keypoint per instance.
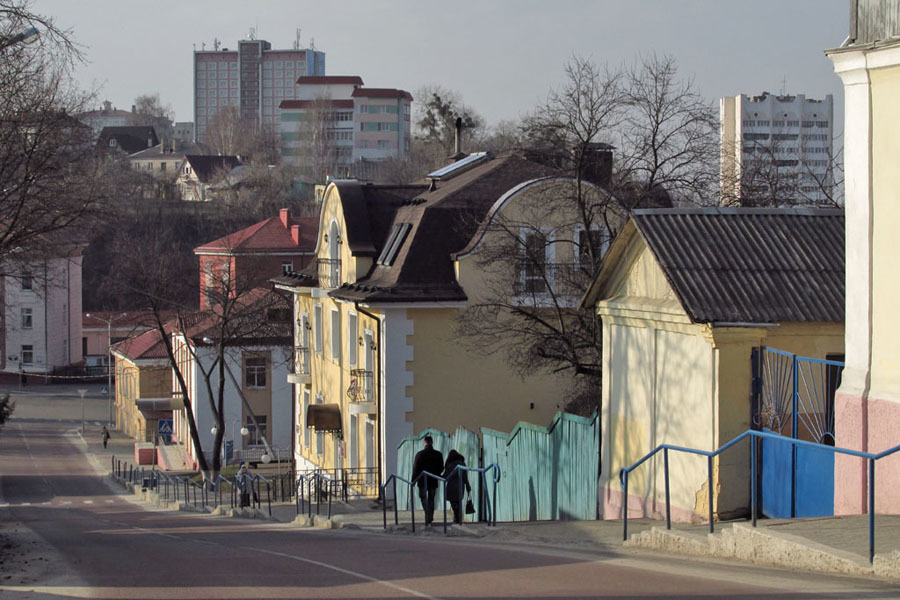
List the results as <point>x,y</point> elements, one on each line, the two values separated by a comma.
<point>87,501</point>
<point>317,563</point>
<point>25,504</point>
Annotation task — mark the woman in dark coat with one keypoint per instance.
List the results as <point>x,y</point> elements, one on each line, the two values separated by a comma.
<point>455,459</point>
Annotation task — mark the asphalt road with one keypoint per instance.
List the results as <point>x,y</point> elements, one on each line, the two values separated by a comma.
<point>67,532</point>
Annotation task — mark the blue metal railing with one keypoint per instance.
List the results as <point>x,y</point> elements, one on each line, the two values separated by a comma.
<point>754,475</point>
<point>316,484</point>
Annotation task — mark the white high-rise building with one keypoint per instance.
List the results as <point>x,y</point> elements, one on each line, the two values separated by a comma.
<point>252,77</point>
<point>777,147</point>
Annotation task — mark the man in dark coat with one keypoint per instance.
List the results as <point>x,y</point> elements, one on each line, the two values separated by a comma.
<point>431,461</point>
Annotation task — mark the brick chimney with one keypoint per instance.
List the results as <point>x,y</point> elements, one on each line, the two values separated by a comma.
<point>284,214</point>
<point>295,234</point>
<point>598,163</point>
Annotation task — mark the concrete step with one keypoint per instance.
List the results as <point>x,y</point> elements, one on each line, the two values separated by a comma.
<point>763,546</point>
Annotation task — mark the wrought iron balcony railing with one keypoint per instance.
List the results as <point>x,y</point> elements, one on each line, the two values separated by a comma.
<point>329,272</point>
<point>544,279</point>
<point>300,364</point>
<point>362,386</point>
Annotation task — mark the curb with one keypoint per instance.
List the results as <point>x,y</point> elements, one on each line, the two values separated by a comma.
<point>762,546</point>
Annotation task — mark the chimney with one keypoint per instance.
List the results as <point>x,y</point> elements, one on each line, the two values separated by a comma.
<point>173,145</point>
<point>133,107</point>
<point>295,234</point>
<point>458,136</point>
<point>597,163</point>
<point>284,214</point>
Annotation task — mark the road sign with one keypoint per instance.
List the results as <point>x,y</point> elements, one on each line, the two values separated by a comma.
<point>104,389</point>
<point>229,450</point>
<point>165,427</point>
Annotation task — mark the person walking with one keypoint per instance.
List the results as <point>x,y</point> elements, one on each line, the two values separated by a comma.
<point>453,477</point>
<point>427,460</point>
<point>244,483</point>
<point>104,435</point>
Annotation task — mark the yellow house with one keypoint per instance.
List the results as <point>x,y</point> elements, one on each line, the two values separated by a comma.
<point>143,385</point>
<point>377,357</point>
<point>685,295</point>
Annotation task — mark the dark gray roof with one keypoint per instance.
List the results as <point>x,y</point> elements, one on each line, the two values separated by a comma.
<point>751,265</point>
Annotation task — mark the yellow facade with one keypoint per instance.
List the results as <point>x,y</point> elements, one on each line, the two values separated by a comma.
<point>133,382</point>
<point>414,358</point>
<point>667,380</point>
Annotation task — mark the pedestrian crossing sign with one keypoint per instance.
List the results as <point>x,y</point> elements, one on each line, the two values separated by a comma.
<point>165,427</point>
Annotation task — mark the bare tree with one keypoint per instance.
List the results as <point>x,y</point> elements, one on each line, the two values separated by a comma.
<point>231,134</point>
<point>240,311</point>
<point>150,110</point>
<point>436,118</point>
<point>50,179</point>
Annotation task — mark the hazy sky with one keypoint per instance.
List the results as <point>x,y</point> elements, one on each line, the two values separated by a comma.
<point>502,56</point>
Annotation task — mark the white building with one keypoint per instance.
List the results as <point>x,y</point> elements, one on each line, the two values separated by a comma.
<point>785,137</point>
<point>41,308</point>
<point>338,116</point>
<point>253,78</point>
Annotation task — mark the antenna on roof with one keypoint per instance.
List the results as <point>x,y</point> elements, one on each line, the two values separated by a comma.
<point>297,40</point>
<point>203,45</point>
<point>216,44</point>
<point>253,33</point>
<point>784,85</point>
<point>312,43</point>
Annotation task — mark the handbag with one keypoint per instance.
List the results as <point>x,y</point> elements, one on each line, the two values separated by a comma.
<point>470,508</point>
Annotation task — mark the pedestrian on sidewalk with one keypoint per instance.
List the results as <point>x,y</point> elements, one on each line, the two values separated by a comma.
<point>453,475</point>
<point>104,434</point>
<point>244,483</point>
<point>427,460</point>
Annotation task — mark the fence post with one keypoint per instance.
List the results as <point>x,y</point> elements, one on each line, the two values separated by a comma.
<point>709,466</point>
<point>871,510</point>
<point>666,468</point>
<point>795,430</point>
<point>396,509</point>
<point>625,509</point>
<point>753,479</point>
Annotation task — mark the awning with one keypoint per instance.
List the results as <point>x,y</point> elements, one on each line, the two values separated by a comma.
<point>324,417</point>
<point>171,403</point>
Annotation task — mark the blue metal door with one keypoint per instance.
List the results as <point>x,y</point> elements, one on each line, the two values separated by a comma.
<point>795,398</point>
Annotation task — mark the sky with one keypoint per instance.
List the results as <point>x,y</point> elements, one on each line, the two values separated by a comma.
<point>502,57</point>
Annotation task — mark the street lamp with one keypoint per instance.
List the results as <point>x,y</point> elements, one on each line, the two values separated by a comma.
<point>109,323</point>
<point>244,432</point>
<point>26,35</point>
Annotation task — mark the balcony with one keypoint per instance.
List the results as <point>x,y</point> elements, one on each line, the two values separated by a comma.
<point>300,372</point>
<point>329,272</point>
<point>540,282</point>
<point>361,392</point>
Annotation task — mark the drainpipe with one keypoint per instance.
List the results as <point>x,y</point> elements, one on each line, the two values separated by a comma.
<point>378,452</point>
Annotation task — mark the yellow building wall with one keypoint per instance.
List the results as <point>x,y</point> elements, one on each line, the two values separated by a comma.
<point>133,382</point>
<point>454,387</point>
<point>885,370</point>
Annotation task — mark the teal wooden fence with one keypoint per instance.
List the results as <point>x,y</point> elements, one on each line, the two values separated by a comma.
<point>547,472</point>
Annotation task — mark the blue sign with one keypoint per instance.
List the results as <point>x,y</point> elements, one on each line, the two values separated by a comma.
<point>165,427</point>
<point>229,450</point>
<point>105,390</point>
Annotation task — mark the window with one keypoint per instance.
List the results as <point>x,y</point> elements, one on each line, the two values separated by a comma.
<point>255,372</point>
<point>27,354</point>
<point>392,246</point>
<point>305,412</point>
<point>26,318</point>
<point>287,266</point>
<point>317,326</point>
<point>320,437</point>
<point>335,334</point>
<point>534,273</point>
<point>596,240</point>
<point>257,434</point>
<point>26,281</point>
<point>351,338</point>
<point>112,142</point>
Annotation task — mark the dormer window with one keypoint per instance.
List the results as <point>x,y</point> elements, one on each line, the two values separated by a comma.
<point>112,142</point>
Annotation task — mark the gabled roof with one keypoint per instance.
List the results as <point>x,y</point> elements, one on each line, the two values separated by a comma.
<point>207,167</point>
<point>147,346</point>
<point>130,139</point>
<point>743,265</point>
<point>270,235</point>
<point>381,93</point>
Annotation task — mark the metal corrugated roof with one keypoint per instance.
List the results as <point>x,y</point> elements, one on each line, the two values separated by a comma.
<point>751,265</point>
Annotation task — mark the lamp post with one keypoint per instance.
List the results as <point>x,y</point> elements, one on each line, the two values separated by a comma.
<point>82,392</point>
<point>109,323</point>
<point>244,432</point>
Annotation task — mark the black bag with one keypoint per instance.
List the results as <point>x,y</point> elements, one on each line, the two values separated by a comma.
<point>470,508</point>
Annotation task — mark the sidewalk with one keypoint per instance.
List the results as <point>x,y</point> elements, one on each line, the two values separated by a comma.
<point>831,544</point>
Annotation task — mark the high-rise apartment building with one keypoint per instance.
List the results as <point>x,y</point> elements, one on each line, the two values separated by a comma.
<point>777,148</point>
<point>335,123</point>
<point>253,78</point>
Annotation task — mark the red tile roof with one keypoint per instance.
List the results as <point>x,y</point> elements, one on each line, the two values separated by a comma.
<point>270,235</point>
<point>315,103</point>
<point>147,346</point>
<point>330,79</point>
<point>381,93</point>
